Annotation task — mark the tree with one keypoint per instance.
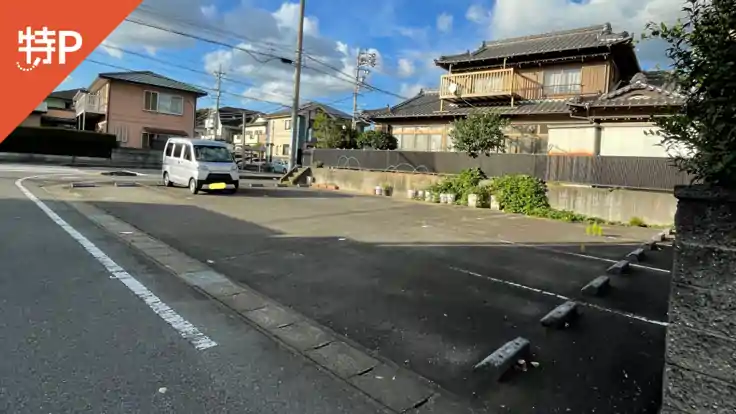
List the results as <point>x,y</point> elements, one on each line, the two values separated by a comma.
<point>702,48</point>
<point>331,133</point>
<point>479,134</point>
<point>379,140</point>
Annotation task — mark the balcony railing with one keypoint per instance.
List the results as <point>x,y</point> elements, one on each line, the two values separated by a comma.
<point>90,103</point>
<point>491,84</point>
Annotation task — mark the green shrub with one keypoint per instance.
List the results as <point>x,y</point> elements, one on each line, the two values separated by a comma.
<point>461,185</point>
<point>520,194</point>
<point>637,222</point>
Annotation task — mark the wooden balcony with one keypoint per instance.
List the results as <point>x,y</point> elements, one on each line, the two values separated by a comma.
<point>499,84</point>
<point>89,103</point>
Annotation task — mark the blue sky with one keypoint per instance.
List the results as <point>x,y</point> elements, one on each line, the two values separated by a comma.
<point>406,35</point>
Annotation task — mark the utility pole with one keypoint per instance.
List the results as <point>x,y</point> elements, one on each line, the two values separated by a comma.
<point>218,74</point>
<point>297,80</point>
<point>362,62</point>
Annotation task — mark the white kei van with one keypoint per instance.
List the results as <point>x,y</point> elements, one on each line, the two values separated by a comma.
<point>199,164</point>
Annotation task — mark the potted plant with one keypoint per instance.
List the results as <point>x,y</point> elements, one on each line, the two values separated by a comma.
<point>701,137</point>
<point>386,189</point>
<point>449,198</point>
<point>378,190</point>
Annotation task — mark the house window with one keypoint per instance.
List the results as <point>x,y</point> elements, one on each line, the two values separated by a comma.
<point>285,150</point>
<point>287,124</point>
<point>562,81</point>
<point>163,103</point>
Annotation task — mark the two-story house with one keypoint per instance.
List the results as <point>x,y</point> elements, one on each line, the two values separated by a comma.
<point>228,124</point>
<point>56,111</point>
<point>280,129</point>
<point>573,92</point>
<point>142,109</point>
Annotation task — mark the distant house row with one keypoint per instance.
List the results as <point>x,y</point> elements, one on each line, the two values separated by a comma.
<point>143,109</point>
<point>575,92</point>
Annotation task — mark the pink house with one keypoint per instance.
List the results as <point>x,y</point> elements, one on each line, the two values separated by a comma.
<point>142,109</point>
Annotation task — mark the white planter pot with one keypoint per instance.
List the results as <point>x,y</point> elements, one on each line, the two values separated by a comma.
<point>450,198</point>
<point>443,198</point>
<point>494,203</point>
<point>378,190</point>
<point>473,200</point>
<point>410,194</point>
<point>420,194</point>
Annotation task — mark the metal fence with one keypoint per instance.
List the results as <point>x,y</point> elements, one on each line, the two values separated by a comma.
<point>630,172</point>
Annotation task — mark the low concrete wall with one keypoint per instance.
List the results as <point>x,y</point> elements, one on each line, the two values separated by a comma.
<point>121,158</point>
<point>366,181</point>
<point>615,205</point>
<point>656,208</point>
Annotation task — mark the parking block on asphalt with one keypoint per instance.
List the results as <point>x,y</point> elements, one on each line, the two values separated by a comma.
<point>126,184</point>
<point>597,287</point>
<point>561,315</point>
<point>504,358</point>
<point>256,185</point>
<point>636,255</point>
<point>83,185</point>
<point>620,267</point>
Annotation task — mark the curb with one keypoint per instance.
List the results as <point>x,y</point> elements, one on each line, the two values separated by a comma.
<point>406,391</point>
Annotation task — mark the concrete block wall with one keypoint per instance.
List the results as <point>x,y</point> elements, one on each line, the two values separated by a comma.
<point>700,371</point>
<point>655,208</point>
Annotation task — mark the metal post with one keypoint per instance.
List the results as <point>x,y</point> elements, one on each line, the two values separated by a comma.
<point>297,80</point>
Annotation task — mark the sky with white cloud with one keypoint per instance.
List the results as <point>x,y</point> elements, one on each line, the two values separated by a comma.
<point>247,39</point>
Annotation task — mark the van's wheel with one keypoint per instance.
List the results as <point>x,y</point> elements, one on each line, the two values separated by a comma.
<point>193,186</point>
<point>167,181</point>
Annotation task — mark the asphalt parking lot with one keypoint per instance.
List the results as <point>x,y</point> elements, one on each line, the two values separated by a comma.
<point>435,288</point>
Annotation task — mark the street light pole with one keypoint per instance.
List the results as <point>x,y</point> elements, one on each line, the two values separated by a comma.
<point>297,81</point>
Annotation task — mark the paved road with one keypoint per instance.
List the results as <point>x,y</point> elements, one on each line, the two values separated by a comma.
<point>75,340</point>
<point>432,287</point>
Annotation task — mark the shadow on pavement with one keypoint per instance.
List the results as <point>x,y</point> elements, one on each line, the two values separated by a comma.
<point>440,309</point>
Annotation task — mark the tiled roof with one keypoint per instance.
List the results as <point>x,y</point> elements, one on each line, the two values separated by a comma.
<point>67,95</point>
<point>559,41</point>
<point>427,104</point>
<point>310,106</point>
<point>659,91</point>
<point>153,79</point>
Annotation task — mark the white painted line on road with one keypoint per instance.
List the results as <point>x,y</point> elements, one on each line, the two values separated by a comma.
<point>561,297</point>
<point>181,325</point>
<point>582,256</point>
<point>134,172</point>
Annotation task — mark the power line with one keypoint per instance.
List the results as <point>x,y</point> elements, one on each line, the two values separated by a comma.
<point>224,92</point>
<point>271,56</point>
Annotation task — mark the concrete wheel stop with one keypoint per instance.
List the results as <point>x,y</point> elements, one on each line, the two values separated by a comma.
<point>597,287</point>
<point>505,357</point>
<point>561,316</point>
<point>83,185</point>
<point>636,255</point>
<point>619,267</point>
<point>125,184</point>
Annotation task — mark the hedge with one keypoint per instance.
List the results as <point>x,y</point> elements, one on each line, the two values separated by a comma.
<point>59,141</point>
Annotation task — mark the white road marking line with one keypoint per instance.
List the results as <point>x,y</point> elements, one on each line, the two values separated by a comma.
<point>561,297</point>
<point>583,256</point>
<point>181,325</point>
